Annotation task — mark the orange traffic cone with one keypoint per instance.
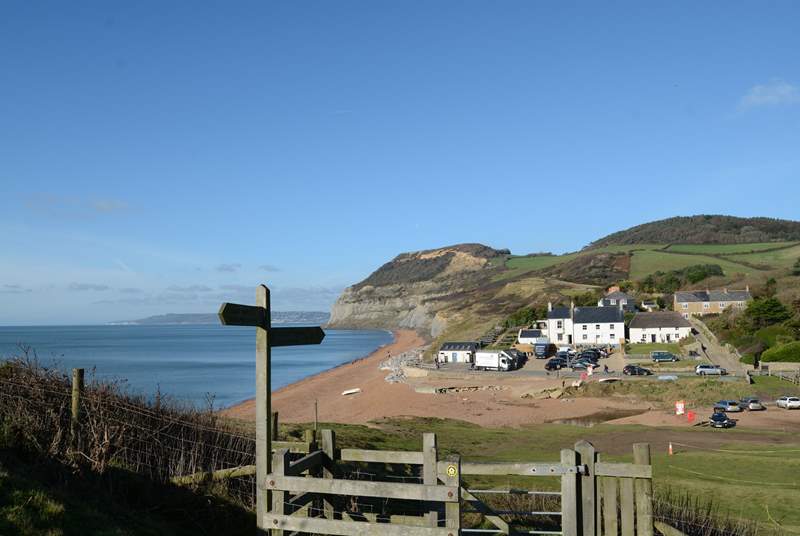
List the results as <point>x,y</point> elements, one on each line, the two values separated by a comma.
<point>670,448</point>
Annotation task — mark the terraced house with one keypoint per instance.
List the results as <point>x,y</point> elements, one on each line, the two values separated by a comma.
<point>586,326</point>
<point>707,302</point>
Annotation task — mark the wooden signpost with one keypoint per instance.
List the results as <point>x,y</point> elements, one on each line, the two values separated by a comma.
<point>267,337</point>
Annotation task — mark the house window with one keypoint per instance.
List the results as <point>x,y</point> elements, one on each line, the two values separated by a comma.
<point>585,336</point>
<point>706,305</point>
<point>611,327</point>
<point>686,315</point>
<point>455,356</point>
<point>560,336</point>
<point>722,305</point>
<point>685,305</point>
<point>612,336</point>
<point>597,326</point>
<point>585,327</point>
<point>559,324</point>
<point>613,302</point>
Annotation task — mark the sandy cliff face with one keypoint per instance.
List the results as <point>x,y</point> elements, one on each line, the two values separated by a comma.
<point>410,291</point>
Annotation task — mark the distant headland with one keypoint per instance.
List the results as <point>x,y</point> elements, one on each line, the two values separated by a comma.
<point>278,317</point>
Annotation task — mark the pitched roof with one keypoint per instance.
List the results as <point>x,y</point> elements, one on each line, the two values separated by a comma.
<point>597,315</point>
<point>712,295</point>
<point>459,346</point>
<point>660,319</point>
<point>558,312</point>
<point>618,295</point>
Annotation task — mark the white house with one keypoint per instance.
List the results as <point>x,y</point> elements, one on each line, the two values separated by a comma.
<point>598,326</point>
<point>531,336</point>
<point>457,352</point>
<point>559,324</point>
<point>659,326</point>
<point>585,326</point>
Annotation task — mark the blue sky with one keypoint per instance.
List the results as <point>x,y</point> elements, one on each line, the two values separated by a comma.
<point>163,156</point>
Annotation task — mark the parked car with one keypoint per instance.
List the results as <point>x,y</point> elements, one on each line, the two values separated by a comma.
<point>555,364</point>
<point>561,354</point>
<point>721,420</point>
<point>709,370</point>
<point>636,370</point>
<point>580,365</point>
<point>663,357</point>
<point>788,402</point>
<point>751,403</point>
<point>589,356</point>
<point>728,406</point>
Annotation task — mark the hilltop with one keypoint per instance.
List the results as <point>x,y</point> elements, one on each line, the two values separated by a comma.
<point>705,229</point>
<point>468,291</point>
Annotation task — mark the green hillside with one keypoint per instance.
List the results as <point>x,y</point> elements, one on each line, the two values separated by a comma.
<point>705,229</point>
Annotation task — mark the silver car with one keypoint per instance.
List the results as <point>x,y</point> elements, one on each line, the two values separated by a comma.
<point>709,370</point>
<point>751,403</point>
<point>788,402</point>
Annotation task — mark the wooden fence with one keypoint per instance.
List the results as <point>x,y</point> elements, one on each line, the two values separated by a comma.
<point>323,492</point>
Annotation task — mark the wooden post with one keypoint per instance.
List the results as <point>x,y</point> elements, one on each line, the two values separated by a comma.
<point>588,510</point>
<point>626,506</point>
<point>316,415</point>
<point>610,525</point>
<point>644,492</point>
<point>452,510</point>
<point>274,425</point>
<point>263,405</point>
<point>280,463</point>
<point>569,495</point>
<point>328,438</point>
<point>260,317</point>
<point>75,414</point>
<point>429,475</point>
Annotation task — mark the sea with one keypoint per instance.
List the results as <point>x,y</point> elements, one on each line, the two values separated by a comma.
<point>200,365</point>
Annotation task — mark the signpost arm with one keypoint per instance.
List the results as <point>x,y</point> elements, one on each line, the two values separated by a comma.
<point>263,407</point>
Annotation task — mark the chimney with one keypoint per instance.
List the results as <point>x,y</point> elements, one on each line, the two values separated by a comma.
<point>725,290</point>
<point>621,306</point>
<point>549,306</point>
<point>571,307</point>
<point>747,288</point>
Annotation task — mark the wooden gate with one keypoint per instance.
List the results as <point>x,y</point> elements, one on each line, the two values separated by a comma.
<point>311,494</point>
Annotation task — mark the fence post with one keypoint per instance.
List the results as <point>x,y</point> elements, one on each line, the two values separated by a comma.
<point>274,425</point>
<point>588,511</point>
<point>429,474</point>
<point>569,494</point>
<point>329,448</point>
<point>280,461</point>
<point>644,492</point>
<point>77,391</point>
<point>452,510</point>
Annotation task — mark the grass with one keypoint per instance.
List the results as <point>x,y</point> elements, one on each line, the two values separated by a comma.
<point>740,482</point>
<point>646,348</point>
<point>727,249</point>
<point>647,262</point>
<point>783,258</point>
<point>40,497</point>
<point>517,266</point>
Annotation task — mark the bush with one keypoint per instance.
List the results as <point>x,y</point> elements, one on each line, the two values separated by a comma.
<point>787,353</point>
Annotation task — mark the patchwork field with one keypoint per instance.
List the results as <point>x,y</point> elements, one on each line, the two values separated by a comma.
<point>727,249</point>
<point>649,258</point>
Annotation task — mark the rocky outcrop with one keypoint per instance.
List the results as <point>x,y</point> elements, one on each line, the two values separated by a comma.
<point>410,290</point>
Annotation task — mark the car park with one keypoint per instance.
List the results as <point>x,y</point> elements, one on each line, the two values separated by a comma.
<point>710,370</point>
<point>751,403</point>
<point>728,406</point>
<point>636,370</point>
<point>721,420</point>
<point>788,402</point>
<point>663,357</point>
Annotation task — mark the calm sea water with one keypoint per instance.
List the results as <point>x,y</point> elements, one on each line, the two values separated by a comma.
<point>186,362</point>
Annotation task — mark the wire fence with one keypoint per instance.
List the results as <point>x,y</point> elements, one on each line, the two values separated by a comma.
<point>159,438</point>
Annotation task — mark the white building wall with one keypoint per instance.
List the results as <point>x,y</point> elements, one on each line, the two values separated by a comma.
<point>559,334</point>
<point>646,334</point>
<point>599,334</point>
<point>455,356</point>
